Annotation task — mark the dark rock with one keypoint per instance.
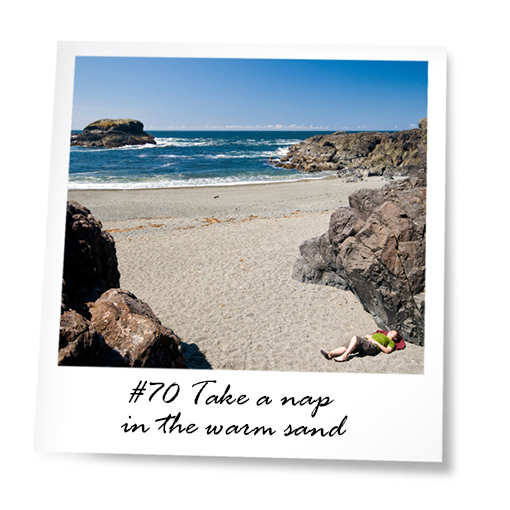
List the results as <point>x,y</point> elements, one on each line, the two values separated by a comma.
<point>373,153</point>
<point>376,248</point>
<point>117,329</point>
<point>130,327</point>
<point>113,133</point>
<point>90,260</point>
<point>350,174</point>
<point>422,147</point>
<point>316,264</point>
<point>81,345</point>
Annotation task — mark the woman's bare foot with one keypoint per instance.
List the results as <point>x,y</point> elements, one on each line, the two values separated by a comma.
<point>326,354</point>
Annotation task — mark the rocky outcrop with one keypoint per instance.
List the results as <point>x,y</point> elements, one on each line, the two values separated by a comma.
<point>90,261</point>
<point>354,155</point>
<point>422,146</point>
<point>100,324</point>
<point>376,249</point>
<point>113,133</point>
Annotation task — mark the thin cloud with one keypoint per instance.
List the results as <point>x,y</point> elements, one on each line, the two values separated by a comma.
<point>279,127</point>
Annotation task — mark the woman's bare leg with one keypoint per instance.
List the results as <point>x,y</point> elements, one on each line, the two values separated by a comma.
<point>345,351</point>
<point>336,352</point>
<point>343,356</point>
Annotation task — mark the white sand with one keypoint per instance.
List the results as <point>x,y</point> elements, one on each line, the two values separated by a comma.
<point>215,265</point>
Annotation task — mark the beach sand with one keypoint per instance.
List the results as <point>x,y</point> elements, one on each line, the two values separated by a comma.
<point>215,264</point>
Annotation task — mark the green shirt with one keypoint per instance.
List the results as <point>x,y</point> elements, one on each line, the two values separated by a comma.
<point>384,340</point>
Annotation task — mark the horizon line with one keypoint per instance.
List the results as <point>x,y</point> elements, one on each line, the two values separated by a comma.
<point>269,129</point>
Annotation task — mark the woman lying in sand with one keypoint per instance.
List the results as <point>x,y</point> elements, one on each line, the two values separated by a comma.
<point>370,345</point>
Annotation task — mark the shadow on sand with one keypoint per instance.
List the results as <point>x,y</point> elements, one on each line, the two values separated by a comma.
<point>194,358</point>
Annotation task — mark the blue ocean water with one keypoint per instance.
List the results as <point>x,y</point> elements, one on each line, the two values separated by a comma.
<point>188,158</point>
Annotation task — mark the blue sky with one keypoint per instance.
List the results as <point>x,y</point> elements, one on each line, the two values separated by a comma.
<point>193,93</point>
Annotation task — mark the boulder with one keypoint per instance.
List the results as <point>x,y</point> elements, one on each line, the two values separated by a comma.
<point>100,324</point>
<point>113,133</point>
<point>90,260</point>
<point>375,248</point>
<point>130,327</point>
<point>81,345</point>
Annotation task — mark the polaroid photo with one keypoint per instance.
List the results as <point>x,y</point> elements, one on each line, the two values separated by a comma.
<point>245,252</point>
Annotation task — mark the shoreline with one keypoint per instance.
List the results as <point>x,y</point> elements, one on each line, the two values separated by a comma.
<point>273,199</point>
<point>215,264</point>
<point>216,185</point>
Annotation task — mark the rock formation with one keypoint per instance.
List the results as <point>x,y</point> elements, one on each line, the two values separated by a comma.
<point>90,261</point>
<point>376,249</point>
<point>130,327</point>
<point>422,146</point>
<point>113,133</point>
<point>353,155</point>
<point>79,343</point>
<point>100,324</point>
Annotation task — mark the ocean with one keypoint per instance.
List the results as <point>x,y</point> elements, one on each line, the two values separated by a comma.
<point>188,158</point>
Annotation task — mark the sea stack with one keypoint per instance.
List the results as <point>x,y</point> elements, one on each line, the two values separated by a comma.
<point>113,133</point>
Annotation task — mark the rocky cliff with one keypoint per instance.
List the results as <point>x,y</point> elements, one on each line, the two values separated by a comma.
<point>376,249</point>
<point>113,133</point>
<point>358,154</point>
<point>101,324</point>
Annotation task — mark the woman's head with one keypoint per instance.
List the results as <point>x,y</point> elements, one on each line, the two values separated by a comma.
<point>393,334</point>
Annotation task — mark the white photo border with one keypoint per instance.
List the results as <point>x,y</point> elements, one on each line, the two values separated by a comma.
<point>82,409</point>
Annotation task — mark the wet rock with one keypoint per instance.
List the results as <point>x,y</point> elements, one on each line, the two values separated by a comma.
<point>113,133</point>
<point>372,153</point>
